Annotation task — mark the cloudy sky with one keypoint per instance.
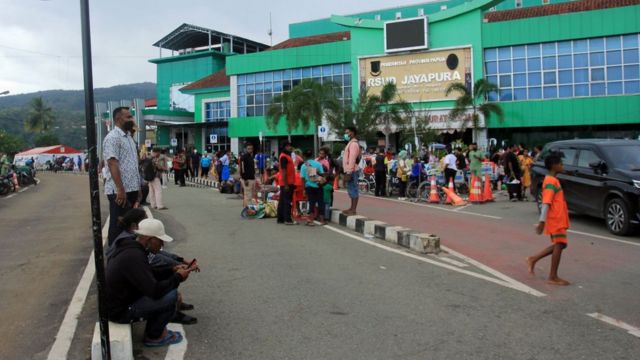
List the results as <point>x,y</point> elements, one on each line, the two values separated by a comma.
<point>40,39</point>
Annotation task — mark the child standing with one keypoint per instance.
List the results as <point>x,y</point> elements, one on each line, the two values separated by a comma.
<point>554,219</point>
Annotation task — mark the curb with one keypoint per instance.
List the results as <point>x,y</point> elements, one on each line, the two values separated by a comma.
<point>419,242</point>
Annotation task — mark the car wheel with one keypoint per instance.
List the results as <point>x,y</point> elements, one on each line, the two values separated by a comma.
<point>617,217</point>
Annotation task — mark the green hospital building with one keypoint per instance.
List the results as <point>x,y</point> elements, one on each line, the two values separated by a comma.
<point>564,68</point>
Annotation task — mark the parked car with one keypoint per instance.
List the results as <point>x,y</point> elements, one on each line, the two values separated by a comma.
<point>601,179</point>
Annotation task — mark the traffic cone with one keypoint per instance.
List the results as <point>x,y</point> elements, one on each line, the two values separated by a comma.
<point>335,184</point>
<point>451,195</point>
<point>434,197</point>
<point>451,190</point>
<point>487,194</point>
<point>475,194</point>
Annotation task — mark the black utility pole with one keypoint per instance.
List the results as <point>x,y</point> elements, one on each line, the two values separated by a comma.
<point>94,188</point>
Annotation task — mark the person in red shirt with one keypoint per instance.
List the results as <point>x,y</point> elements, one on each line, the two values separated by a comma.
<point>287,184</point>
<point>554,220</point>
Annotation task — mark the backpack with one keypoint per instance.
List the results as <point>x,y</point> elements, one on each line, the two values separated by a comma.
<point>312,174</point>
<point>205,162</point>
<point>149,171</point>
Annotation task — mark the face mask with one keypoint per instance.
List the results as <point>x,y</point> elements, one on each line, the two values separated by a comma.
<point>128,126</point>
<point>346,137</point>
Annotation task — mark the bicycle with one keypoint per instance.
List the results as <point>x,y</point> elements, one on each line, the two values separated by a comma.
<point>366,184</point>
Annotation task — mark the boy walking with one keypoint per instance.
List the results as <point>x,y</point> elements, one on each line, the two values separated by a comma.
<point>554,219</point>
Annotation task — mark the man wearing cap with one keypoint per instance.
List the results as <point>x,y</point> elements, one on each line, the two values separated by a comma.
<point>133,293</point>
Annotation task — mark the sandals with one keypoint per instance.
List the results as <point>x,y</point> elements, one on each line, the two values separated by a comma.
<point>172,338</point>
<point>184,319</point>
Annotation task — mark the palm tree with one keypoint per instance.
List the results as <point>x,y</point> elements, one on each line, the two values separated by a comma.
<point>392,110</point>
<point>361,114</point>
<point>305,105</point>
<point>40,117</point>
<point>476,100</point>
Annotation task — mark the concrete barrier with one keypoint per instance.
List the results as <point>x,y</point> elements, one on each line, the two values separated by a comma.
<point>424,243</point>
<point>121,342</point>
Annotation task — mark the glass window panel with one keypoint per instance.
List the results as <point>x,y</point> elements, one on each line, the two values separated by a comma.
<point>550,92</point>
<point>491,54</point>
<point>242,111</point>
<point>268,76</point>
<point>614,88</point>
<point>549,77</point>
<point>337,69</point>
<point>251,89</point>
<point>597,74</point>
<point>535,93</point>
<point>581,60</point>
<point>519,65</point>
<point>505,81</point>
<point>242,79</point>
<point>306,72</point>
<point>564,47</point>
<point>295,82</point>
<point>259,88</point>
<point>347,80</point>
<point>316,71</point>
<point>520,80</point>
<point>533,50</point>
<point>346,68</point>
<point>347,92</point>
<point>277,75</point>
<point>630,56</point>
<point>549,49</point>
<point>268,98</point>
<point>565,77</point>
<point>565,91</point>
<point>277,86</point>
<point>597,89</point>
<point>337,79</point>
<point>259,77</point>
<point>565,62</point>
<point>251,78</point>
<point>286,75</point>
<point>535,79</point>
<point>596,59</point>
<point>242,100</point>
<point>632,87</point>
<point>493,96</point>
<point>614,57</point>
<point>250,100</point>
<point>596,44</point>
<point>580,46</point>
<point>492,79</point>
<point>250,111</point>
<point>504,53</point>
<point>614,73</point>
<point>297,74</point>
<point>491,67</point>
<point>630,41</point>
<point>613,43</point>
<point>326,70</point>
<point>268,87</point>
<point>286,86</point>
<point>518,51</point>
<point>631,72</point>
<point>581,75</point>
<point>259,110</point>
<point>326,79</point>
<point>504,66</point>
<point>549,63</point>
<point>533,64</point>
<point>506,95</point>
<point>520,94</point>
<point>581,90</point>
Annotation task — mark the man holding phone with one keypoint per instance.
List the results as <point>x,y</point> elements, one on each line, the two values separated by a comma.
<point>120,155</point>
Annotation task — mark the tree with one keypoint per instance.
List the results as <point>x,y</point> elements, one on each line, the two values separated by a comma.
<point>10,144</point>
<point>362,115</point>
<point>476,100</point>
<point>46,139</point>
<point>40,117</point>
<point>305,105</point>
<point>392,110</point>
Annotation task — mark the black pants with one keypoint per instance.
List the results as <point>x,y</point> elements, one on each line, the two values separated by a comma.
<point>381,183</point>
<point>450,176</point>
<point>514,190</point>
<point>180,176</point>
<point>116,211</point>
<point>194,171</point>
<point>205,172</point>
<point>284,204</point>
<point>316,201</point>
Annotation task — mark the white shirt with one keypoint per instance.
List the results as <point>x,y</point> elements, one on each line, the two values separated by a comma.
<point>450,162</point>
<point>120,146</point>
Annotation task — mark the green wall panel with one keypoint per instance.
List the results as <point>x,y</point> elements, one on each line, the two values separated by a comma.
<point>251,126</point>
<point>612,110</point>
<point>584,24</point>
<point>321,54</point>
<point>162,136</point>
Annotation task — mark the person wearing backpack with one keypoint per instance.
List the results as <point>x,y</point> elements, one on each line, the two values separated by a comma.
<point>311,172</point>
<point>152,169</point>
<point>205,165</point>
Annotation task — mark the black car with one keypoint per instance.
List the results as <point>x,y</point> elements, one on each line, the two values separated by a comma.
<point>601,178</point>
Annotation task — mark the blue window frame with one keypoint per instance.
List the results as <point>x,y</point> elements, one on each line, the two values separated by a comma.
<point>614,88</point>
<point>548,49</point>
<point>614,73</point>
<point>533,64</point>
<point>632,71</point>
<point>519,65</point>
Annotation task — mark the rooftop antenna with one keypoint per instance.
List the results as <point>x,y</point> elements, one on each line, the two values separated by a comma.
<point>270,33</point>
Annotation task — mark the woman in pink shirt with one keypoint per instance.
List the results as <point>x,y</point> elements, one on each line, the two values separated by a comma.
<point>350,162</point>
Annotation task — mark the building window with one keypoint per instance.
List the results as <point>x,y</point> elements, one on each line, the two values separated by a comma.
<point>443,7</point>
<point>518,3</point>
<point>377,17</point>
<point>256,91</point>
<point>398,15</point>
<point>420,12</point>
<point>576,68</point>
<point>217,111</point>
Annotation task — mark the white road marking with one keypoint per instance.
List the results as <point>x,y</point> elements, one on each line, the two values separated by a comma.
<point>177,351</point>
<point>513,285</point>
<point>604,237</point>
<point>10,196</point>
<point>23,189</point>
<point>67,329</point>
<point>450,261</point>
<point>460,208</point>
<point>617,323</point>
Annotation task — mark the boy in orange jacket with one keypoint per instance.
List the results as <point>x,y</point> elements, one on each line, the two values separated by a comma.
<point>554,219</point>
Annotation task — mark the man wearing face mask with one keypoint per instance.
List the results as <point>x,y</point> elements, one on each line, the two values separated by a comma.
<point>350,162</point>
<point>120,154</point>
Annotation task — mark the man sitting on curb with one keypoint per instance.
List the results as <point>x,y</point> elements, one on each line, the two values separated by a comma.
<point>133,293</point>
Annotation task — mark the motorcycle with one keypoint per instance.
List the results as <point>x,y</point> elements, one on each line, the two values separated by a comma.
<point>6,185</point>
<point>26,176</point>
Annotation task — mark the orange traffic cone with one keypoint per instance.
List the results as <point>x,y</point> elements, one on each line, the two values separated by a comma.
<point>452,190</point>
<point>455,199</point>
<point>475,194</point>
<point>434,197</point>
<point>335,184</point>
<point>487,194</point>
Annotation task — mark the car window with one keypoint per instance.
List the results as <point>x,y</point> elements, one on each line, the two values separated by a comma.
<point>625,157</point>
<point>587,157</point>
<point>568,155</point>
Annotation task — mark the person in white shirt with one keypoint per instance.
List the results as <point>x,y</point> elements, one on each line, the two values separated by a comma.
<point>450,168</point>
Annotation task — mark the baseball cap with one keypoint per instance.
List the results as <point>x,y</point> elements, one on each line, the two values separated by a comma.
<point>153,227</point>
